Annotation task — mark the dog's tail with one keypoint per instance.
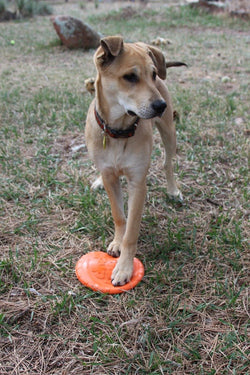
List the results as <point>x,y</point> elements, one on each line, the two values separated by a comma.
<point>170,64</point>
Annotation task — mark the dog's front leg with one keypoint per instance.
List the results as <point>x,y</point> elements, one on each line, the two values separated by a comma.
<point>168,136</point>
<point>124,268</point>
<point>112,186</point>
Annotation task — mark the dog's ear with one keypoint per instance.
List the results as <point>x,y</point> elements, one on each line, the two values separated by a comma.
<point>158,60</point>
<point>110,48</point>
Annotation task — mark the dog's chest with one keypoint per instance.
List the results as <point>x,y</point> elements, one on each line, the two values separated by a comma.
<point>122,156</point>
<point>116,155</point>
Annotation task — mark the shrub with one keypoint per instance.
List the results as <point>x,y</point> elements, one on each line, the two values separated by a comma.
<point>2,6</point>
<point>30,8</point>
<point>43,9</point>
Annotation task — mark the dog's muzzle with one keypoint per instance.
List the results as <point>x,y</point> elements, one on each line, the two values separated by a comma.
<point>155,109</point>
<point>159,107</point>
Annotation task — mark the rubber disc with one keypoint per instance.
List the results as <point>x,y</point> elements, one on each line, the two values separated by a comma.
<point>94,270</point>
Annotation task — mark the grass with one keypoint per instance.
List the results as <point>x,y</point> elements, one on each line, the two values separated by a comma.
<point>190,314</point>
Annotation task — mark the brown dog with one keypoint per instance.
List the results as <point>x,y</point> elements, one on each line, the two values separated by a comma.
<point>130,96</point>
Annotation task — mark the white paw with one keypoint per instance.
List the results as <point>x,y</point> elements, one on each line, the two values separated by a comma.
<point>122,273</point>
<point>97,184</point>
<point>114,249</point>
<point>176,195</point>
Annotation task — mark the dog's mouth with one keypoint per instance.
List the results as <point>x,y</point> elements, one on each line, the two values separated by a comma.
<point>131,113</point>
<point>156,109</point>
<point>145,116</point>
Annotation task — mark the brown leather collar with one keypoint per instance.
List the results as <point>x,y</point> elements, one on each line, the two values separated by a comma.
<point>116,133</point>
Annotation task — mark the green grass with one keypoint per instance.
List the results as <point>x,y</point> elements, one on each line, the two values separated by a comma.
<point>189,315</point>
<point>169,18</point>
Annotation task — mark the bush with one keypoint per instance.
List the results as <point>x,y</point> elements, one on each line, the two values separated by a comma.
<point>25,8</point>
<point>2,6</point>
<point>43,9</point>
<point>30,8</point>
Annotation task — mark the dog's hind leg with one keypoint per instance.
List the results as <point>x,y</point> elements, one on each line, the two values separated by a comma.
<point>97,184</point>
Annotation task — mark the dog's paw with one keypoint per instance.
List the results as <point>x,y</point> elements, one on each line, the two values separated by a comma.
<point>121,274</point>
<point>97,184</point>
<point>90,85</point>
<point>114,249</point>
<point>175,195</point>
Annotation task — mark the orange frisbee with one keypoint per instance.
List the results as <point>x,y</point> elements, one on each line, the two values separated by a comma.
<point>94,270</point>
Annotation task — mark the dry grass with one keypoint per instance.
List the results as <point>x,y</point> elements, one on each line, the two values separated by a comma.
<point>190,314</point>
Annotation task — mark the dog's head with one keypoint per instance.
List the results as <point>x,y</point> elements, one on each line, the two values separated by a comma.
<point>128,74</point>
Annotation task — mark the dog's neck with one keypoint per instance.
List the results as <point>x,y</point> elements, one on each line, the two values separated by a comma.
<point>115,132</point>
<point>110,110</point>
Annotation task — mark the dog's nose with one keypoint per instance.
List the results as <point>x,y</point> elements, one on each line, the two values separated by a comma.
<point>159,106</point>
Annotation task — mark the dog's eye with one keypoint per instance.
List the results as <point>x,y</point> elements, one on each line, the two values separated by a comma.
<point>132,77</point>
<point>154,75</point>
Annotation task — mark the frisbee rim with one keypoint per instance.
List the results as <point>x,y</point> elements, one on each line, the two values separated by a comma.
<point>88,279</point>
